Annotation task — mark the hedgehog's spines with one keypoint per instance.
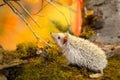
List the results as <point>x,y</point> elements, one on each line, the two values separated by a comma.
<point>83,53</point>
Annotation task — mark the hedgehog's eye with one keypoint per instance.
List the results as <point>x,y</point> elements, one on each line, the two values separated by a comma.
<point>58,37</point>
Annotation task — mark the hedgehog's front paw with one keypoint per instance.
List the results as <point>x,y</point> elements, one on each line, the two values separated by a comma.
<point>97,75</point>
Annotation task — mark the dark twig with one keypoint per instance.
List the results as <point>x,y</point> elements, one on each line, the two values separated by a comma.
<point>18,2</point>
<point>2,4</point>
<point>43,6</point>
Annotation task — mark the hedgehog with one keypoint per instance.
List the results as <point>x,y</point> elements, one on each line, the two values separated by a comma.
<point>81,52</point>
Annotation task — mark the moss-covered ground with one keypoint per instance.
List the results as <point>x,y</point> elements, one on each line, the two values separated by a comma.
<point>54,67</point>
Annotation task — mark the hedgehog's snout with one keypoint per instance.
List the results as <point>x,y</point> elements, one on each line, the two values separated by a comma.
<point>53,35</point>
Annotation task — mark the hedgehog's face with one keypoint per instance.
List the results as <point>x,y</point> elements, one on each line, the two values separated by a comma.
<point>59,38</point>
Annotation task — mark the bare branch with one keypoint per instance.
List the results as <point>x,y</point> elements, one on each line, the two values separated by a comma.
<point>18,2</point>
<point>70,9</point>
<point>43,6</point>
<point>58,10</point>
<point>26,22</point>
<point>2,4</point>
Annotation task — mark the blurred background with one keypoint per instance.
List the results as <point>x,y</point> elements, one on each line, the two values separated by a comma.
<point>14,31</point>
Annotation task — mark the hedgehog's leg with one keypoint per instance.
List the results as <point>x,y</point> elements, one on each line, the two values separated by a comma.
<point>96,75</point>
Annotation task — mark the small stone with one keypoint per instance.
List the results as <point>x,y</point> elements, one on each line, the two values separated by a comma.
<point>42,53</point>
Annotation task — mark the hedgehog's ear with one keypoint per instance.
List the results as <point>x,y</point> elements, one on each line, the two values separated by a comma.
<point>65,38</point>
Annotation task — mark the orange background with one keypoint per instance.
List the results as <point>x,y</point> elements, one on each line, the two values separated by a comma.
<point>14,31</point>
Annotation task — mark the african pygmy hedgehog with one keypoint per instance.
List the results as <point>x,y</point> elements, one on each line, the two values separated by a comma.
<point>81,52</point>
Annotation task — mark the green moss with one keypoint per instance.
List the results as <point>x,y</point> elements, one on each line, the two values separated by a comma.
<point>112,72</point>
<point>87,32</point>
<point>55,68</point>
<point>26,49</point>
<point>59,26</point>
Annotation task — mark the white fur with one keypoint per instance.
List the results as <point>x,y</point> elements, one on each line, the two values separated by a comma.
<point>82,52</point>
